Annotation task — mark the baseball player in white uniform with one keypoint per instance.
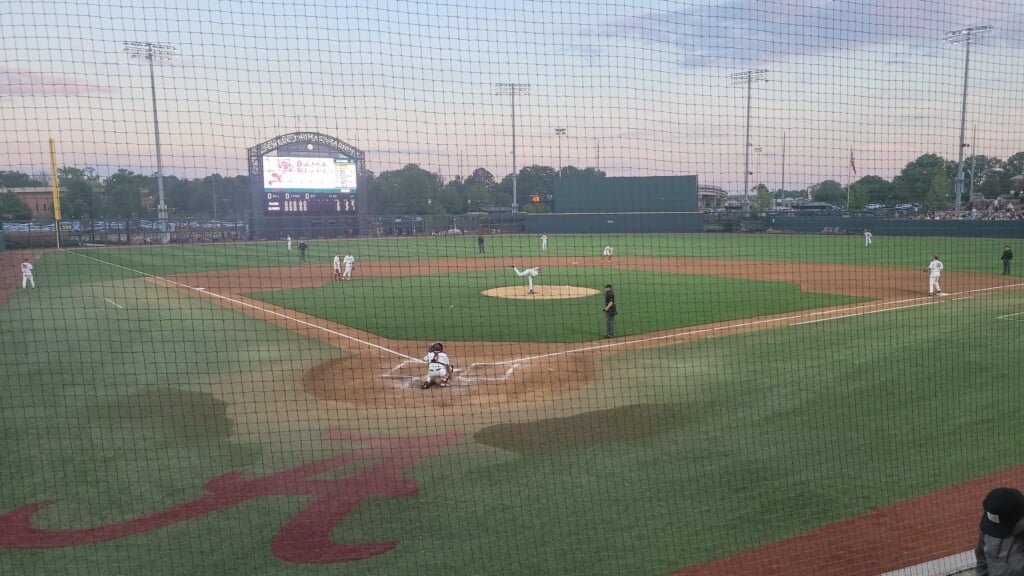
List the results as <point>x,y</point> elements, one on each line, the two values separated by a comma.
<point>26,274</point>
<point>530,274</point>
<point>543,242</point>
<point>289,243</point>
<point>348,261</point>
<point>336,266</point>
<point>934,269</point>
<point>439,367</point>
<point>867,237</point>
<point>606,254</point>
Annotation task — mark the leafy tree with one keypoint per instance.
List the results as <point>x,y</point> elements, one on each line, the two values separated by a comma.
<point>482,177</point>
<point>1014,165</point>
<point>914,183</point>
<point>11,179</point>
<point>762,201</point>
<point>532,181</point>
<point>939,193</point>
<point>12,207</point>
<point>574,172</point>
<point>123,195</point>
<point>829,191</point>
<point>995,184</point>
<point>406,191</point>
<point>80,199</point>
<point>869,190</point>
<point>791,193</point>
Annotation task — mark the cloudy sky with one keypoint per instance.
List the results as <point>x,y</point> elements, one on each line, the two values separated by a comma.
<point>642,87</point>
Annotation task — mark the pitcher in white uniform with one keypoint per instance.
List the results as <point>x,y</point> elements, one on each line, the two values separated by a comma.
<point>530,274</point>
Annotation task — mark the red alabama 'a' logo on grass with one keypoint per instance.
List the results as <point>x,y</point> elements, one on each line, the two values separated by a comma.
<point>306,538</point>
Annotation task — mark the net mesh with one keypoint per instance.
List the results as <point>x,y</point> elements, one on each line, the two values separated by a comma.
<point>723,288</point>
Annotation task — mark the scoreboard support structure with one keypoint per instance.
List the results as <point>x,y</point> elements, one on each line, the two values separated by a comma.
<point>305,184</point>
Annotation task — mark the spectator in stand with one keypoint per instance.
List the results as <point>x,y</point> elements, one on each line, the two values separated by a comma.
<point>1000,549</point>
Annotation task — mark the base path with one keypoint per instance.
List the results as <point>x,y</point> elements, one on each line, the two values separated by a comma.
<point>494,377</point>
<point>380,373</point>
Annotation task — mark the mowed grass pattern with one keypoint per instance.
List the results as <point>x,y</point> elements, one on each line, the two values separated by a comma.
<point>117,412</point>
<point>452,306</point>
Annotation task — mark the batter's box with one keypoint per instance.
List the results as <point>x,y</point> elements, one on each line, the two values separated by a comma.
<point>410,373</point>
<point>480,372</point>
<point>407,374</point>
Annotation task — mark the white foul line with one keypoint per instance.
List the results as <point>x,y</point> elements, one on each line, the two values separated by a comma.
<point>875,307</point>
<point>114,303</point>
<point>253,306</point>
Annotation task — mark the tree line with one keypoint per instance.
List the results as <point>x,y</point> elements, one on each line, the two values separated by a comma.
<point>927,180</point>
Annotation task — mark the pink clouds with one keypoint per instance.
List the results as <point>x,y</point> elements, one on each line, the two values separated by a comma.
<point>25,82</point>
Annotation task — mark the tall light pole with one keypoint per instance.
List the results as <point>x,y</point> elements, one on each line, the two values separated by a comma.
<point>162,53</point>
<point>560,132</point>
<point>512,89</point>
<point>747,77</point>
<point>964,36</point>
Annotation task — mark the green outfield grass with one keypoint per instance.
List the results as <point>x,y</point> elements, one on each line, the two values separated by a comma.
<point>980,255</point>
<point>121,397</point>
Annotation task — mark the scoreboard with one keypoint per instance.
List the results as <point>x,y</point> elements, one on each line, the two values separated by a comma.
<point>300,185</point>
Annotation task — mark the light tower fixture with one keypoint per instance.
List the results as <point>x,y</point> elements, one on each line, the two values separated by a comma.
<point>747,77</point>
<point>964,36</point>
<point>560,132</point>
<point>512,89</point>
<point>153,52</point>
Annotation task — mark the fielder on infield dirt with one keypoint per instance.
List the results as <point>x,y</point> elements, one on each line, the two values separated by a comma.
<point>336,266</point>
<point>934,270</point>
<point>530,274</point>
<point>439,368</point>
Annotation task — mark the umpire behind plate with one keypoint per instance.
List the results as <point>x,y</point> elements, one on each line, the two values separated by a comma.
<point>439,368</point>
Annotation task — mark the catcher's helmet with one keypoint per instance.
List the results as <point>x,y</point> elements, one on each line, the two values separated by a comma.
<point>436,347</point>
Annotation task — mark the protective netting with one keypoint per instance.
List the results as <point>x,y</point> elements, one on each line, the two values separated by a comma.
<point>471,288</point>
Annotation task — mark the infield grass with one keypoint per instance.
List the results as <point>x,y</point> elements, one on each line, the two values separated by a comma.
<point>452,306</point>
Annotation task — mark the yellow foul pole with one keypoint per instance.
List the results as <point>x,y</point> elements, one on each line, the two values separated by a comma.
<point>56,190</point>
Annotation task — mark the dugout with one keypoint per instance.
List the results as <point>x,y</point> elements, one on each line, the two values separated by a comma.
<point>621,205</point>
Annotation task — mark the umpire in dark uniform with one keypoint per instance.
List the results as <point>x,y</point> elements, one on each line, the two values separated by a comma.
<point>1007,257</point>
<point>609,311</point>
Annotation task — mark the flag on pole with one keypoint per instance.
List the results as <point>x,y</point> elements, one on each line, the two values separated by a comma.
<point>853,167</point>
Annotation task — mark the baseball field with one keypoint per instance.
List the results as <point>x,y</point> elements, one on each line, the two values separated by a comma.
<point>768,399</point>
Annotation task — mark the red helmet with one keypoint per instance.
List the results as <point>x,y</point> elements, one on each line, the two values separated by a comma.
<point>436,347</point>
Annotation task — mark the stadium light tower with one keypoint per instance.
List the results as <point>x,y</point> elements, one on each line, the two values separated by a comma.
<point>159,53</point>
<point>560,132</point>
<point>964,36</point>
<point>747,77</point>
<point>512,89</point>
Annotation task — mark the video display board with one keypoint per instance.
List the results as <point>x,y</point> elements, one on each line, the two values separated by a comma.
<point>299,185</point>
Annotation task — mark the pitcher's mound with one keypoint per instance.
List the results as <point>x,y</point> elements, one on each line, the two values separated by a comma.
<point>544,292</point>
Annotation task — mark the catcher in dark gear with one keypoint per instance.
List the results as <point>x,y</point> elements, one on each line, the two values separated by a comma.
<point>439,368</point>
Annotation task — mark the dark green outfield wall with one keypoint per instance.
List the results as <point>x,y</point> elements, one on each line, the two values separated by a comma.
<point>618,222</point>
<point>901,227</point>
<point>644,194</point>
